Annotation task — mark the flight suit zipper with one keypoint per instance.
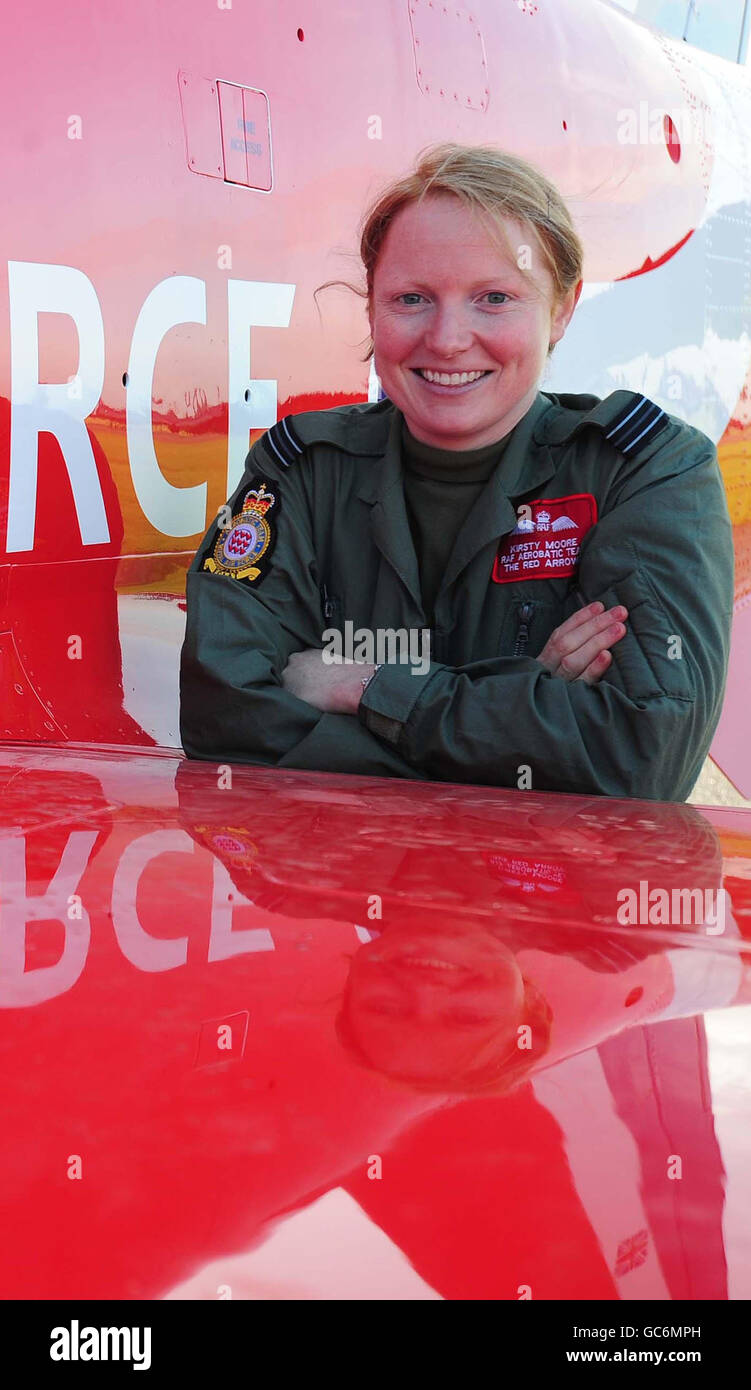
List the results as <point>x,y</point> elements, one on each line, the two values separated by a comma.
<point>522,631</point>
<point>329,604</point>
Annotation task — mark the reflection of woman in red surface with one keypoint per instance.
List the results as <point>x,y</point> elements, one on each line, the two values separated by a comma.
<point>540,876</point>
<point>484,1194</point>
<point>493,956</point>
<point>189,1154</point>
<point>443,1006</point>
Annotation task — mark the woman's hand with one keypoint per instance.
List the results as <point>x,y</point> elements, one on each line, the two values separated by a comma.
<point>578,649</point>
<point>333,686</point>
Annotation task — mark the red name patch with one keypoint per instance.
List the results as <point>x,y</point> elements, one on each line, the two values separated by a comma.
<point>546,540</point>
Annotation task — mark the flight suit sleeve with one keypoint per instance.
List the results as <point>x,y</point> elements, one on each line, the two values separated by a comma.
<point>239,637</point>
<point>663,548</point>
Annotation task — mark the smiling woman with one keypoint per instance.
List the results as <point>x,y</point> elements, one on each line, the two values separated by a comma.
<point>461,345</point>
<point>503,520</point>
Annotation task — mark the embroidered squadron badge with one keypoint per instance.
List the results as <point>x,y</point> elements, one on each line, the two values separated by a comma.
<point>241,548</point>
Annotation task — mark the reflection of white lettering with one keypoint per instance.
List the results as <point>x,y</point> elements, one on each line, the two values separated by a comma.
<point>523,868</point>
<point>144,951</point>
<point>20,987</point>
<point>223,941</point>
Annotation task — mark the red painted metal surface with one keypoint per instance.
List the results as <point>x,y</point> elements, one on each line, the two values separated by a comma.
<point>199,98</point>
<point>318,1037</point>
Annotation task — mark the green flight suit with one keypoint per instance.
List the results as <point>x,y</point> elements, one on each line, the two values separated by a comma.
<point>335,546</point>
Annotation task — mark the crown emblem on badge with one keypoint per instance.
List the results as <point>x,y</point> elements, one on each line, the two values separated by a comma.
<point>258,501</point>
<point>542,520</point>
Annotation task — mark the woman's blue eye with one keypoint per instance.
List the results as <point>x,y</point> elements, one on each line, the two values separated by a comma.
<point>411,297</point>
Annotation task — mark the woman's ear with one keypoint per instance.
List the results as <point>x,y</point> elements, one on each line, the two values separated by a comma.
<point>562,314</point>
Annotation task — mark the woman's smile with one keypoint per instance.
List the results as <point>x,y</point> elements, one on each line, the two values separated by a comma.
<point>448,381</point>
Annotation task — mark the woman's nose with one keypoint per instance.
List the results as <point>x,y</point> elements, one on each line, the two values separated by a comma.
<point>448,332</point>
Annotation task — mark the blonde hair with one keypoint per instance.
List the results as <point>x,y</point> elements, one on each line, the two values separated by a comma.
<point>490,182</point>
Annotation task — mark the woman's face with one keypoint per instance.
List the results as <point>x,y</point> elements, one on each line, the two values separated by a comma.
<point>449,299</point>
<point>429,1001</point>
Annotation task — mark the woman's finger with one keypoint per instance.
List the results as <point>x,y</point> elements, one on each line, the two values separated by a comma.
<point>596,668</point>
<point>579,631</point>
<point>569,639</point>
<point>582,615</point>
<point>574,665</point>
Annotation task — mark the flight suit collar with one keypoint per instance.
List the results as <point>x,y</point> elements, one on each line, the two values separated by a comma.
<point>383,490</point>
<point>526,465</point>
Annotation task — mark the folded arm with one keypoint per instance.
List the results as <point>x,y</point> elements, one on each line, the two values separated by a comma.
<point>238,641</point>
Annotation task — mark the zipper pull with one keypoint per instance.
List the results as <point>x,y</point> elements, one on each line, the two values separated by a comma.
<point>329,605</point>
<point>522,631</point>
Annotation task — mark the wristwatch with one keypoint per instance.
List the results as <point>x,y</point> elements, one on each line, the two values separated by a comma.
<point>367,679</point>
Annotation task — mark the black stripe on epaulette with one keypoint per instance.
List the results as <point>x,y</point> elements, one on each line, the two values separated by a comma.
<point>283,442</point>
<point>636,425</point>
